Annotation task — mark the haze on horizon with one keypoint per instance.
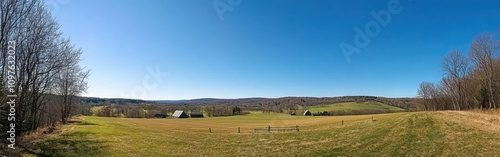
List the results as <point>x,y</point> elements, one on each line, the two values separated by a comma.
<point>186,49</point>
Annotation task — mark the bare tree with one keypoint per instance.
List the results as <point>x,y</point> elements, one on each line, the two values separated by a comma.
<point>70,79</point>
<point>483,52</point>
<point>425,91</point>
<point>455,67</point>
<point>39,61</point>
<point>469,82</point>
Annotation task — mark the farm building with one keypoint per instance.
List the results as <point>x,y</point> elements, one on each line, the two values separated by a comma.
<point>196,115</point>
<point>180,114</point>
<point>159,115</point>
<point>307,113</point>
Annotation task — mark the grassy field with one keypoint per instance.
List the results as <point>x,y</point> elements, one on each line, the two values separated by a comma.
<point>355,106</point>
<point>396,134</point>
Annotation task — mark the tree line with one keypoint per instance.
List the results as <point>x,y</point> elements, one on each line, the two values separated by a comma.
<point>262,104</point>
<point>47,76</point>
<point>149,110</point>
<point>470,81</point>
<point>228,107</point>
<point>284,104</point>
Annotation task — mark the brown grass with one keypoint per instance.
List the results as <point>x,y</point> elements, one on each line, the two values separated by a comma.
<point>27,140</point>
<point>488,120</point>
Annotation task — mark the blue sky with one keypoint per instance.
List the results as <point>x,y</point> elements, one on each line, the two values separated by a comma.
<point>265,48</point>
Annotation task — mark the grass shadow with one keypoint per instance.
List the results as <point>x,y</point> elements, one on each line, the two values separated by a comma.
<point>80,122</point>
<point>68,144</point>
<point>86,123</point>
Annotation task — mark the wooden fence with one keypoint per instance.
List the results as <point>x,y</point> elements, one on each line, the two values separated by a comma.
<point>283,129</point>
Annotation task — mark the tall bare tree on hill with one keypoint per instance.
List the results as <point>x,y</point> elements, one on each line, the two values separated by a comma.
<point>70,79</point>
<point>455,67</point>
<point>483,52</point>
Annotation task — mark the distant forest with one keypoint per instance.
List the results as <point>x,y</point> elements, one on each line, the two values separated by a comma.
<point>225,107</point>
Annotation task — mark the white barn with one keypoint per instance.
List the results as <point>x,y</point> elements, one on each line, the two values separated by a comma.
<point>180,114</point>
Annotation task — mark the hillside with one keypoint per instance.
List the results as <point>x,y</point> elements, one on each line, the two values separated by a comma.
<point>349,106</point>
<point>94,100</point>
<point>258,103</point>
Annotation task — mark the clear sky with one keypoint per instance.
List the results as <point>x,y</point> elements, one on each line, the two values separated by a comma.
<point>267,48</point>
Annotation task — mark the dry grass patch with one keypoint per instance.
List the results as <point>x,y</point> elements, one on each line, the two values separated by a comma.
<point>484,120</point>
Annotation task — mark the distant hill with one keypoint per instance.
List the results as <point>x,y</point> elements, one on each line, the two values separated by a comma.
<point>354,108</point>
<point>405,103</point>
<point>170,101</point>
<point>208,100</point>
<point>111,100</point>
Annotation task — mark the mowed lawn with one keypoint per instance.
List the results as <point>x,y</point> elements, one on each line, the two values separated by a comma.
<point>356,106</point>
<point>397,134</point>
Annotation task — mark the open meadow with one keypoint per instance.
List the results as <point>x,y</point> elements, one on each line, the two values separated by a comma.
<point>348,106</point>
<point>217,78</point>
<point>443,133</point>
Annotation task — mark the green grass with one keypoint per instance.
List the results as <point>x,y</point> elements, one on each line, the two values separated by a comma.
<point>395,134</point>
<point>356,106</point>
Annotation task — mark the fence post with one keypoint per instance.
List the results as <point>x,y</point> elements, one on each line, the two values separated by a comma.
<point>210,130</point>
<point>238,129</point>
<point>342,122</point>
<point>372,118</point>
<point>297,127</point>
<point>269,129</point>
